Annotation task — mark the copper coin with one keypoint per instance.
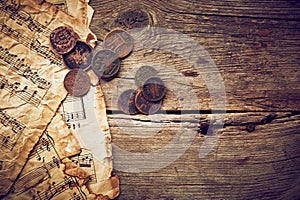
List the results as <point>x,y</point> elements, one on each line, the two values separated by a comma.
<point>126,102</point>
<point>145,106</point>
<point>106,64</point>
<point>79,57</point>
<point>119,41</point>
<point>143,73</point>
<point>77,82</point>
<point>63,39</point>
<point>154,89</point>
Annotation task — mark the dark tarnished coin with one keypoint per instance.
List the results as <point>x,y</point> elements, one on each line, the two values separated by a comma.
<point>119,41</point>
<point>63,39</point>
<point>143,73</point>
<point>133,19</point>
<point>126,102</point>
<point>79,57</point>
<point>106,64</point>
<point>145,106</point>
<point>154,89</point>
<point>77,82</point>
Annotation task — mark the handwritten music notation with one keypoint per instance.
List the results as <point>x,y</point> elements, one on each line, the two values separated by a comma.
<point>86,161</point>
<point>32,44</point>
<point>69,183</point>
<point>24,93</point>
<point>17,65</point>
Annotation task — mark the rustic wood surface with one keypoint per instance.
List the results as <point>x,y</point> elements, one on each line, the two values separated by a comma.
<point>255,46</point>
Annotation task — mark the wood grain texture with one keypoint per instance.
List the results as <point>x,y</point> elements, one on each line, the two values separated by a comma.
<point>257,58</point>
<point>255,46</point>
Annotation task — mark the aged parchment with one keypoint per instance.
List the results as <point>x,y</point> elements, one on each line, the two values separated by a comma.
<point>31,79</point>
<point>87,119</point>
<point>44,166</point>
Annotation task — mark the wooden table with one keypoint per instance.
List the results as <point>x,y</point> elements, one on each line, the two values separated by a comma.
<point>255,47</point>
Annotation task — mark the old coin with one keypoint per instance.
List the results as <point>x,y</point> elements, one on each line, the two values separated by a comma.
<point>106,64</point>
<point>63,39</point>
<point>133,19</point>
<point>143,73</point>
<point>79,57</point>
<point>145,106</point>
<point>77,82</point>
<point>119,41</point>
<point>126,102</point>
<point>154,89</point>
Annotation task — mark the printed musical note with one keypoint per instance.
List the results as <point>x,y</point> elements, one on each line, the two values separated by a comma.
<point>21,68</point>
<point>23,18</point>
<point>86,161</point>
<point>36,175</point>
<point>73,111</point>
<point>68,183</point>
<point>35,46</point>
<point>25,95</point>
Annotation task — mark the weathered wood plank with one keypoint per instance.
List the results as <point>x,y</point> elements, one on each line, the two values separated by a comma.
<point>255,46</point>
<point>264,164</point>
<point>279,9</point>
<point>258,59</point>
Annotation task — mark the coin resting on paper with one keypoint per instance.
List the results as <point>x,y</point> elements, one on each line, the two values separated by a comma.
<point>63,39</point>
<point>78,54</point>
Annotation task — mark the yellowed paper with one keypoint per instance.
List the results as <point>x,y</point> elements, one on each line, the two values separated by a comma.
<point>44,165</point>
<point>31,79</point>
<point>87,119</point>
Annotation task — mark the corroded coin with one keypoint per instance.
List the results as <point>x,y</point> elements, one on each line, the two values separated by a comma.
<point>126,102</point>
<point>119,41</point>
<point>143,73</point>
<point>106,64</point>
<point>145,106</point>
<point>154,89</point>
<point>63,39</point>
<point>77,82</point>
<point>133,19</point>
<point>79,57</point>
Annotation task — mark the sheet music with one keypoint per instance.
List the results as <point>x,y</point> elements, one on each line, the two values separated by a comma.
<point>89,124</point>
<point>31,78</point>
<point>44,166</point>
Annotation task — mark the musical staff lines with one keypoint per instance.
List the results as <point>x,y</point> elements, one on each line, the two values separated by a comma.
<point>23,18</point>
<point>73,111</point>
<point>55,189</point>
<point>86,161</point>
<point>73,116</point>
<point>37,175</point>
<point>6,120</point>
<point>9,141</point>
<point>24,93</point>
<point>17,65</point>
<point>33,45</point>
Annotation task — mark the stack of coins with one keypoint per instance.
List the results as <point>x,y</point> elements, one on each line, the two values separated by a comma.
<point>77,56</point>
<point>106,63</point>
<point>147,98</point>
